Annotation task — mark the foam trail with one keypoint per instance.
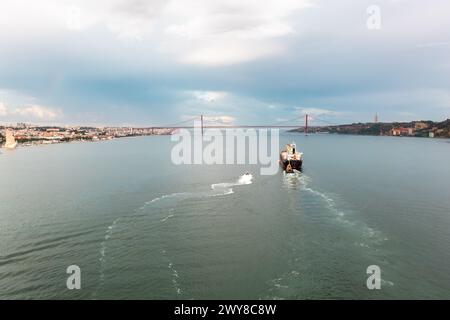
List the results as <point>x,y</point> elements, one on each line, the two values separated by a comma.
<point>180,195</point>
<point>224,188</point>
<point>165,219</point>
<point>228,187</point>
<point>103,247</point>
<point>108,234</point>
<point>295,180</point>
<point>175,279</point>
<point>218,189</point>
<point>369,233</point>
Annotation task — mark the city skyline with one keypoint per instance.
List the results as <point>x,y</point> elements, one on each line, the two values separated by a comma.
<point>144,63</point>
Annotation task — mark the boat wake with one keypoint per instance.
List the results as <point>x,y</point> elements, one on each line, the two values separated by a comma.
<point>294,180</point>
<point>217,189</point>
<point>175,277</point>
<point>166,204</point>
<point>368,234</point>
<point>108,233</point>
<point>227,187</point>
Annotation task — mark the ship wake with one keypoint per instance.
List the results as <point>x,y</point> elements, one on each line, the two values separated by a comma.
<point>346,218</point>
<point>164,204</point>
<point>225,188</point>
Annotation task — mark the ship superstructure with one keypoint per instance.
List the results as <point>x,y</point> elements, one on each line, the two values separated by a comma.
<point>291,159</point>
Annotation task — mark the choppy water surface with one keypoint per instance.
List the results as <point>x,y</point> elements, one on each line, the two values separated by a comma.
<point>140,227</point>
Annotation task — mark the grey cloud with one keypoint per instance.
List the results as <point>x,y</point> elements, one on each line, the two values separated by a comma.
<point>331,61</point>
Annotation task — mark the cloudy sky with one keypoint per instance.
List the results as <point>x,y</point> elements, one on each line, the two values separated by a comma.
<point>155,62</point>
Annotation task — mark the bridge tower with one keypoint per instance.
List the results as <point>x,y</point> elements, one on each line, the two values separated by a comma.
<point>201,122</point>
<point>306,124</point>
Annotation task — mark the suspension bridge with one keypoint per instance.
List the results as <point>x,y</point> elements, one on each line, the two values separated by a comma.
<point>302,122</point>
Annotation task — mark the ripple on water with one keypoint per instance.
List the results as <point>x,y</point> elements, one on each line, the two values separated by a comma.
<point>162,205</point>
<point>343,217</point>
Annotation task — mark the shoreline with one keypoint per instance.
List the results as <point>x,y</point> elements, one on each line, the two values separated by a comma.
<point>21,145</point>
<point>370,135</point>
<point>28,135</point>
<point>419,129</point>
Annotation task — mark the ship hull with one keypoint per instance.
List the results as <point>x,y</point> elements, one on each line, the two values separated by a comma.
<point>295,164</point>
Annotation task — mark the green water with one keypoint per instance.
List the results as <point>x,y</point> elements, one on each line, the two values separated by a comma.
<point>140,227</point>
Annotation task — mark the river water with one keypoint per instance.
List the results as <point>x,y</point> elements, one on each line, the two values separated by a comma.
<point>140,227</point>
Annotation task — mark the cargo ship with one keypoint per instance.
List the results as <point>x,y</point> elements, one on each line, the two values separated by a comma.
<point>291,159</point>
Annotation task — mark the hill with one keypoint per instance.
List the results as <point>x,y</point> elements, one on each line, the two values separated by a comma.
<point>424,128</point>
